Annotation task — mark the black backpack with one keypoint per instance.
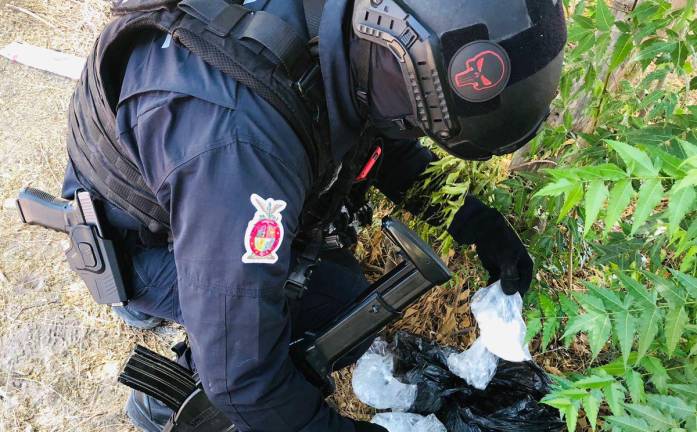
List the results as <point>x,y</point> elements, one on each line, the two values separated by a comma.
<point>254,47</point>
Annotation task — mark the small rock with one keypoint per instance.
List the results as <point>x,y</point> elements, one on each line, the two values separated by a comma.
<point>9,204</point>
<point>110,370</point>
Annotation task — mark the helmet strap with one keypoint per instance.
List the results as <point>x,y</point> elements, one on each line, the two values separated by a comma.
<point>360,67</point>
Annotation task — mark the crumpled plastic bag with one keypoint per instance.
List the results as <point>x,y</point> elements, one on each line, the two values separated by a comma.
<point>421,362</point>
<point>500,321</point>
<point>406,422</point>
<point>502,335</point>
<point>374,382</point>
<point>510,403</point>
<point>477,365</point>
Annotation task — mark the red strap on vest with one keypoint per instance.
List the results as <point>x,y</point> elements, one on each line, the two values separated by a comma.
<point>369,165</point>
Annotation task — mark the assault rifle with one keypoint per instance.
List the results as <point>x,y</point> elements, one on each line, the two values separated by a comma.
<point>90,253</point>
<point>315,354</point>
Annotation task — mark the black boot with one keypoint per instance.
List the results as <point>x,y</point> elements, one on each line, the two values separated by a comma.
<point>151,415</point>
<point>147,413</point>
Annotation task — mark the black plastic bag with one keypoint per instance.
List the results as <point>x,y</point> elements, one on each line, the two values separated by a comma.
<point>509,403</point>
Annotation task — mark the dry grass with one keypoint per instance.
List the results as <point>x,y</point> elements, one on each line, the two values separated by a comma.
<point>60,353</point>
<point>442,315</point>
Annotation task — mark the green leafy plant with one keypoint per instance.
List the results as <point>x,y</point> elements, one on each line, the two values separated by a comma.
<point>651,326</point>
<point>627,180</point>
<point>611,222</point>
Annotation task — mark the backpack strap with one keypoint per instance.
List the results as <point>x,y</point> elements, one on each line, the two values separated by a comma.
<point>221,16</point>
<point>243,55</point>
<point>268,30</point>
<point>361,77</point>
<point>313,16</point>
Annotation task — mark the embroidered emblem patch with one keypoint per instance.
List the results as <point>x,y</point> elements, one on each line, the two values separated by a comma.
<point>264,234</point>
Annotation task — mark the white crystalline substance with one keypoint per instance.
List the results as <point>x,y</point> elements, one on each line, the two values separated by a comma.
<point>477,365</point>
<point>404,422</point>
<point>374,382</point>
<point>502,335</point>
<point>501,325</point>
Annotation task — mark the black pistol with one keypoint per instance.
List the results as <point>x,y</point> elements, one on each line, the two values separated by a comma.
<point>90,254</point>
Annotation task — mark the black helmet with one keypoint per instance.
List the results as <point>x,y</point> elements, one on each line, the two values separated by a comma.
<point>480,74</point>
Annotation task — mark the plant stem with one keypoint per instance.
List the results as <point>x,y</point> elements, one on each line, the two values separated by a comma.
<point>571,259</point>
<point>603,96</point>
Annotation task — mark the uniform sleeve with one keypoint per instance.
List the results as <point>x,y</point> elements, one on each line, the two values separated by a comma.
<point>404,162</point>
<point>235,204</point>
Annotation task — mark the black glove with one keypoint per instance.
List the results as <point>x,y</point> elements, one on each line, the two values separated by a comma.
<point>362,426</point>
<point>498,246</point>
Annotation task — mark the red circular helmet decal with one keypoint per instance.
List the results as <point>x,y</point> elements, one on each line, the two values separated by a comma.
<point>480,71</point>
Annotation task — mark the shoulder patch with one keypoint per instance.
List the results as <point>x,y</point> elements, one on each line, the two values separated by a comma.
<point>264,234</point>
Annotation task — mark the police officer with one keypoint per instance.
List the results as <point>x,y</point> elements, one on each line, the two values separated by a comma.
<point>214,174</point>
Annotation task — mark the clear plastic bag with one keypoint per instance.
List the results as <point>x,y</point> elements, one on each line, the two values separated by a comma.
<point>502,335</point>
<point>477,365</point>
<point>405,422</point>
<point>501,325</point>
<point>374,382</point>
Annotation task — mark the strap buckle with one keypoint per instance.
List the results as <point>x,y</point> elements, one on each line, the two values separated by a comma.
<point>310,88</point>
<point>307,84</point>
<point>294,290</point>
<point>297,283</point>
<point>333,242</point>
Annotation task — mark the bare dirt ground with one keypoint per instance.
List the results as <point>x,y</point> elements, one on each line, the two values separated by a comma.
<point>59,353</point>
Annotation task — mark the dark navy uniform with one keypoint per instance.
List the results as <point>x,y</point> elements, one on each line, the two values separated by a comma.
<point>193,153</point>
<point>207,147</point>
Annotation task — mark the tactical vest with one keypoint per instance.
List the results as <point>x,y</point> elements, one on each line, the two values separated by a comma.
<point>256,48</point>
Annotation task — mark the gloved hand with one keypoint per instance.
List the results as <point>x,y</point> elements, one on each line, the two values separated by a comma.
<point>362,426</point>
<point>498,246</point>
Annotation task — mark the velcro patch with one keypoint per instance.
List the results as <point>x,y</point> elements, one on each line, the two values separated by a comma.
<point>480,71</point>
